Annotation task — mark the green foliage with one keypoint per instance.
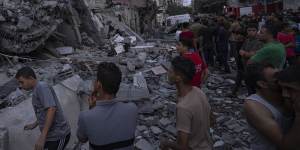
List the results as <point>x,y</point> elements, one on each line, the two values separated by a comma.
<point>174,9</point>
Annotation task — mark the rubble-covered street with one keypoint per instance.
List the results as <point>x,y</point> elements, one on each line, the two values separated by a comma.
<point>64,41</point>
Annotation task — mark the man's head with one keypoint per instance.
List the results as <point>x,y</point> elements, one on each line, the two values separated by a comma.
<point>252,31</point>
<point>266,34</point>
<point>290,82</point>
<point>262,77</point>
<point>109,78</point>
<point>185,25</point>
<point>197,19</point>
<point>182,71</point>
<point>184,45</point>
<point>26,78</point>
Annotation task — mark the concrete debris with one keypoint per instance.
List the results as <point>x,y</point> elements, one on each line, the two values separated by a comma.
<point>144,145</point>
<point>144,82</point>
<point>16,97</point>
<point>159,70</point>
<point>24,23</point>
<point>139,80</point>
<point>219,144</point>
<point>156,130</point>
<point>65,50</point>
<point>132,93</point>
<point>72,83</point>
<point>4,139</point>
<point>164,121</point>
<point>119,48</point>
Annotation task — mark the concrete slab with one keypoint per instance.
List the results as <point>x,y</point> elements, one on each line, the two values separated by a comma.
<point>14,118</point>
<point>132,93</point>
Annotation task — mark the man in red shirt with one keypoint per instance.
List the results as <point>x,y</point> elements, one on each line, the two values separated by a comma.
<point>189,35</point>
<point>288,40</point>
<point>201,68</point>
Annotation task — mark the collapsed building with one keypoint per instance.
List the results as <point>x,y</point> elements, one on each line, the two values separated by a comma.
<point>28,25</point>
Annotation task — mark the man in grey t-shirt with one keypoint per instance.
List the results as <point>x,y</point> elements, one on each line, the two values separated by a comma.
<point>55,130</point>
<point>109,124</point>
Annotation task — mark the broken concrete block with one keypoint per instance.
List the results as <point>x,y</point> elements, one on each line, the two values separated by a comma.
<point>16,97</point>
<point>171,129</point>
<point>24,23</point>
<point>219,144</point>
<point>8,87</point>
<point>139,80</point>
<point>144,145</point>
<point>118,39</point>
<point>159,70</point>
<point>72,83</point>
<point>4,138</point>
<point>51,4</point>
<point>130,66</point>
<point>141,48</point>
<point>165,121</point>
<point>2,19</point>
<point>142,57</point>
<point>65,50</point>
<point>132,93</point>
<point>119,49</point>
<point>133,40</point>
<point>155,130</point>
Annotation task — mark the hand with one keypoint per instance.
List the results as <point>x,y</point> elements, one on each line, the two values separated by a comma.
<point>39,145</point>
<point>30,126</point>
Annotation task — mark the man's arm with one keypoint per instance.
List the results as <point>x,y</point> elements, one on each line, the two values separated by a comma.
<point>48,123</point>
<point>81,132</point>
<point>49,120</point>
<point>182,142</point>
<point>263,121</point>
<point>290,45</point>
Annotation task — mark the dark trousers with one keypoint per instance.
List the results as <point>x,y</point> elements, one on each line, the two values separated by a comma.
<point>222,55</point>
<point>209,56</point>
<point>240,66</point>
<point>57,145</point>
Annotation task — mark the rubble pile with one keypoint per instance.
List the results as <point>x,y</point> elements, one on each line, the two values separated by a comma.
<point>144,69</point>
<point>25,25</point>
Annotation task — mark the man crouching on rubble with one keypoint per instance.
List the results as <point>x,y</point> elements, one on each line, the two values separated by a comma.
<point>55,130</point>
<point>109,124</point>
<point>193,110</point>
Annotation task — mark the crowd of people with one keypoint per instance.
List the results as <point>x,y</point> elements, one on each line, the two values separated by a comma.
<point>266,59</point>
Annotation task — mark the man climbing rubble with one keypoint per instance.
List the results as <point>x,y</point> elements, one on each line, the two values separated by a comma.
<point>108,124</point>
<point>193,110</point>
<point>55,130</point>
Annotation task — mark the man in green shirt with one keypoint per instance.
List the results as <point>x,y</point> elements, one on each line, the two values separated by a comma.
<point>272,52</point>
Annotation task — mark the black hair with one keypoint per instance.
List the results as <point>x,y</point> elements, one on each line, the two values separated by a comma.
<point>110,76</point>
<point>25,72</point>
<point>197,19</point>
<point>255,73</point>
<point>271,30</point>
<point>185,25</point>
<point>291,74</point>
<point>187,42</point>
<point>184,67</point>
<point>284,25</point>
<point>252,25</point>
